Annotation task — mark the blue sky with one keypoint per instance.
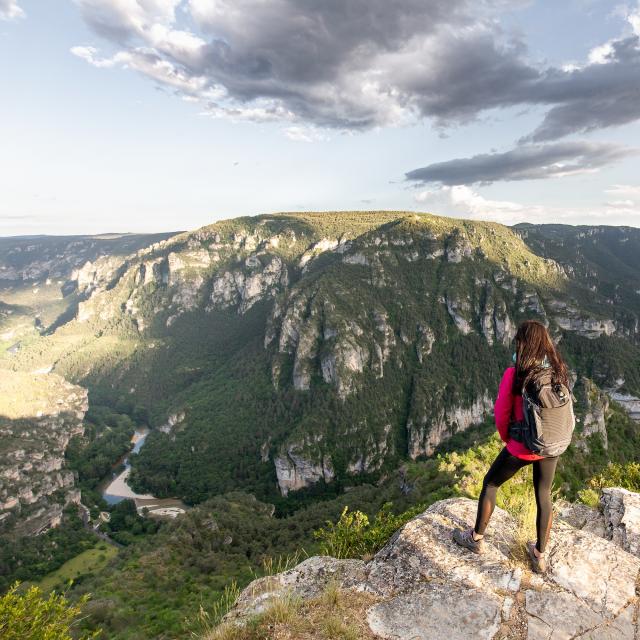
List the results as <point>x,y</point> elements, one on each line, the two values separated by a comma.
<point>155,115</point>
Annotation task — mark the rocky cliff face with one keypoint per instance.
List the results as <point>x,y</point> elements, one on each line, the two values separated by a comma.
<point>592,414</point>
<point>295,469</point>
<point>38,416</point>
<point>298,463</point>
<point>65,257</point>
<point>630,403</point>
<point>426,433</point>
<point>571,318</point>
<point>425,586</point>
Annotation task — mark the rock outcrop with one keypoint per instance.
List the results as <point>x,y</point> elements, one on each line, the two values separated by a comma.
<point>244,287</point>
<point>295,469</point>
<point>426,432</point>
<point>629,403</point>
<point>459,310</point>
<point>570,318</point>
<point>306,327</point>
<point>617,519</point>
<point>593,413</point>
<point>428,587</point>
<point>621,514</point>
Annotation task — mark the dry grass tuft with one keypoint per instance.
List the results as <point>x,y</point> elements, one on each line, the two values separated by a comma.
<point>333,615</point>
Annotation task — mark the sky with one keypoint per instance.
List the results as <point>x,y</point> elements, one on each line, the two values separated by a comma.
<point>166,115</point>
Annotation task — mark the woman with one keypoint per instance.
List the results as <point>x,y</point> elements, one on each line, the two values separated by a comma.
<point>535,353</point>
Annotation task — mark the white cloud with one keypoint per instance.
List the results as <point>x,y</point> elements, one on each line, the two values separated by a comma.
<point>461,201</point>
<point>305,134</point>
<point>601,54</point>
<point>605,53</point>
<point>120,19</point>
<point>627,199</point>
<point>162,70</point>
<point>149,64</point>
<point>183,46</point>
<point>622,190</point>
<point>633,18</point>
<point>89,55</point>
<point>260,111</point>
<point>9,10</point>
<point>620,204</point>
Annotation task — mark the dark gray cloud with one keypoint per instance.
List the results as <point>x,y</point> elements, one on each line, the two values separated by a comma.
<point>351,64</point>
<point>357,64</point>
<point>592,97</point>
<point>525,162</point>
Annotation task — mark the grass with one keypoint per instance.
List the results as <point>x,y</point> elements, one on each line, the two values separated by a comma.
<point>333,615</point>
<point>272,566</point>
<point>87,562</point>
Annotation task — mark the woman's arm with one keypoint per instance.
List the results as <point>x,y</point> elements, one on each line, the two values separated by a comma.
<point>503,406</point>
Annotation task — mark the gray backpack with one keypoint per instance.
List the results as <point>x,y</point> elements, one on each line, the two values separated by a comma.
<point>548,417</point>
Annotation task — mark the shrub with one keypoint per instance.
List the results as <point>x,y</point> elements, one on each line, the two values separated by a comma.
<point>590,497</point>
<point>354,536</point>
<point>615,474</point>
<point>30,616</point>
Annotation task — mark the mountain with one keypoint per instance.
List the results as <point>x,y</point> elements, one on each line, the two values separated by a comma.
<point>294,354</point>
<point>39,276</point>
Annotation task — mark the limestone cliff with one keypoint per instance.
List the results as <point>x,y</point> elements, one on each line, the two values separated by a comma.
<point>39,413</point>
<point>298,465</point>
<point>425,432</point>
<point>592,412</point>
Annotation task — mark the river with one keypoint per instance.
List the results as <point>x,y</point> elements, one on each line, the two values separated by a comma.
<point>146,504</point>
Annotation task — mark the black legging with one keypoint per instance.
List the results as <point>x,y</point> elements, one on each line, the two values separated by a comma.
<point>503,468</point>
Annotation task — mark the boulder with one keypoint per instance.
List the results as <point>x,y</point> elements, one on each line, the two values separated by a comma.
<point>306,580</point>
<point>594,569</point>
<point>621,510</point>
<point>617,519</point>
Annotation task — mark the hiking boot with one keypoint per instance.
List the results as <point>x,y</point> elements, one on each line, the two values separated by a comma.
<point>538,564</point>
<point>464,537</point>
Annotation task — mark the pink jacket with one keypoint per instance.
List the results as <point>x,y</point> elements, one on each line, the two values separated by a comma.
<point>507,407</point>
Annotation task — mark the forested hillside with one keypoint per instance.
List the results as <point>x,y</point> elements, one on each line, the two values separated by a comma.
<point>306,348</point>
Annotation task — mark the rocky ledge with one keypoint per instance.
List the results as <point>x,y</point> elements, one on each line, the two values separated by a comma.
<point>425,586</point>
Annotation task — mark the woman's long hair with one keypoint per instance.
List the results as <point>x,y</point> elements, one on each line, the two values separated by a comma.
<point>533,344</point>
